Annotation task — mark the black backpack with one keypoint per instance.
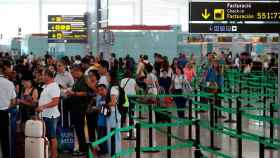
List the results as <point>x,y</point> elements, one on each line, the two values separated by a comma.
<point>122,96</point>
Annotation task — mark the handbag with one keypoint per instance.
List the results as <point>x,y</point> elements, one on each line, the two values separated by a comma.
<point>187,88</point>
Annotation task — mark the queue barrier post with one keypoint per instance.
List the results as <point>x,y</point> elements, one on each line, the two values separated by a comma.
<point>190,118</point>
<point>169,140</point>
<point>239,129</point>
<point>261,148</point>
<point>151,135</point>
<point>150,129</point>
<point>196,106</point>
<point>216,112</point>
<point>230,119</point>
<point>264,101</point>
<point>138,140</point>
<point>212,125</point>
<point>197,152</point>
<point>271,125</point>
<point>271,129</point>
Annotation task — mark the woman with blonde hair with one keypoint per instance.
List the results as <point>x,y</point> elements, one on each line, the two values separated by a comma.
<point>189,72</point>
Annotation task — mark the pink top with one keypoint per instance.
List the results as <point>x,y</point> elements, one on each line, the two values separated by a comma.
<point>189,74</point>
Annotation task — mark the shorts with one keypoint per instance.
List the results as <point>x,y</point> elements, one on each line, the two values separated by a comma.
<point>51,124</point>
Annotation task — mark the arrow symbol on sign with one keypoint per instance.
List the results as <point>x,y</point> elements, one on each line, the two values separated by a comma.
<point>205,15</point>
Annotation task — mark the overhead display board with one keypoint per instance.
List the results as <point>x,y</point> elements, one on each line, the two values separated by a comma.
<point>67,29</point>
<point>234,17</point>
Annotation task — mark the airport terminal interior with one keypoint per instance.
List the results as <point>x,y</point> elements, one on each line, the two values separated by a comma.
<point>139,79</point>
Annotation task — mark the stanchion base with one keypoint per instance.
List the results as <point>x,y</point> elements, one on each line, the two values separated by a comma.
<point>222,117</point>
<point>201,111</point>
<point>151,152</point>
<point>215,148</point>
<point>269,148</point>
<point>230,121</point>
<point>129,138</point>
<point>141,118</point>
<point>248,106</point>
<point>198,154</point>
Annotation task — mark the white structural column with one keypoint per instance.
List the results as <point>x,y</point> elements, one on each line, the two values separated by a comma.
<point>97,7</point>
<point>134,12</point>
<point>178,16</point>
<point>141,7</point>
<point>40,10</point>
<point>93,31</point>
<point>188,14</point>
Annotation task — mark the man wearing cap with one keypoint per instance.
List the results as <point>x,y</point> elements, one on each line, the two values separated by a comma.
<point>7,99</point>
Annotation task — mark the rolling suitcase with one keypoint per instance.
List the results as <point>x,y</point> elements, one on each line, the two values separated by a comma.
<point>35,129</point>
<point>36,144</point>
<point>36,147</point>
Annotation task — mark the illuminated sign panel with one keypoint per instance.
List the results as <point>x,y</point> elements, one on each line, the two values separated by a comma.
<point>235,17</point>
<point>66,18</point>
<point>67,29</point>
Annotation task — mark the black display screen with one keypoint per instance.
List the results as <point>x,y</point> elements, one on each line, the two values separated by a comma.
<point>234,17</point>
<point>67,29</point>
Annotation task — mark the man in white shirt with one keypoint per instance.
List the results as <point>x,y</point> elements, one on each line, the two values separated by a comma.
<point>7,99</point>
<point>48,105</point>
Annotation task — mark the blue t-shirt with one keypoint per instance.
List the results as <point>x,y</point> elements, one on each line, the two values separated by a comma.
<point>182,62</point>
<point>101,121</point>
<point>213,76</point>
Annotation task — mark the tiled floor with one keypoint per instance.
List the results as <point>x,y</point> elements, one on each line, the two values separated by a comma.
<point>227,144</point>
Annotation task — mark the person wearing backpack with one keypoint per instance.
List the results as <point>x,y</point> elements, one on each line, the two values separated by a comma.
<point>114,101</point>
<point>129,85</point>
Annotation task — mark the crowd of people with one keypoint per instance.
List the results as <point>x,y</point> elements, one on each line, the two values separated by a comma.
<point>91,88</point>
